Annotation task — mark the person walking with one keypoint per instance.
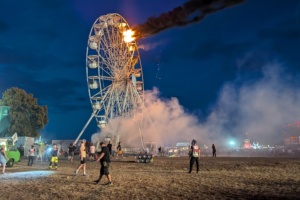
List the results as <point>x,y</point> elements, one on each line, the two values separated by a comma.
<point>104,159</point>
<point>119,150</point>
<point>31,156</point>
<point>194,155</point>
<point>40,152</point>
<point>82,155</point>
<point>92,152</point>
<point>71,150</point>
<point>159,151</point>
<point>54,157</point>
<point>3,158</point>
<point>109,146</point>
<point>214,151</point>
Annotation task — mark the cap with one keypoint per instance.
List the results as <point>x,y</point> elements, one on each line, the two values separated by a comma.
<point>83,140</point>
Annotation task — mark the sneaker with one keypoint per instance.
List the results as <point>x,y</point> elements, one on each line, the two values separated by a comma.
<point>76,172</point>
<point>96,181</point>
<point>84,174</point>
<point>109,183</point>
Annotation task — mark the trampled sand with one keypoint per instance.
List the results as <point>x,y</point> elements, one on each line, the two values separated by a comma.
<point>165,178</point>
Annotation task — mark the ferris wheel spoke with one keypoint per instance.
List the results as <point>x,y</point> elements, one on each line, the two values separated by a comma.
<point>132,92</point>
<point>125,98</point>
<point>107,71</point>
<point>106,78</point>
<point>104,66</point>
<point>101,94</point>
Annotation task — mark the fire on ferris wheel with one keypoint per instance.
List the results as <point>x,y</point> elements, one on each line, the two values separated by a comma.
<point>114,73</point>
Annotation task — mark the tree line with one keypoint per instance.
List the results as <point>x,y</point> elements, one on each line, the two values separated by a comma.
<point>25,116</point>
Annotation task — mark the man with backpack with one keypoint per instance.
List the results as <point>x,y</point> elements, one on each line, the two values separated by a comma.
<point>194,155</point>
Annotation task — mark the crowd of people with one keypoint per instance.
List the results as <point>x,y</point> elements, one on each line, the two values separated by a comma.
<point>89,152</point>
<point>85,152</point>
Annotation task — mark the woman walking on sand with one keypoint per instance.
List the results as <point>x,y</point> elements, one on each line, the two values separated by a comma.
<point>3,158</point>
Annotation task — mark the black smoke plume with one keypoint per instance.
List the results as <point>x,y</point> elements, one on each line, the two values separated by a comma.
<point>190,12</point>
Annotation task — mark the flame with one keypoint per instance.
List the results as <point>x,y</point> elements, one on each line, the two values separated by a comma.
<point>128,36</point>
<point>131,48</point>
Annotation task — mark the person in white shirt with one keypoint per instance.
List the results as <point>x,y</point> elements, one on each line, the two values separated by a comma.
<point>31,155</point>
<point>92,152</point>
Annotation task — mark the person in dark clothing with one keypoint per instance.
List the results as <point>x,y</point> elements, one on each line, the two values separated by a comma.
<point>159,150</point>
<point>109,146</point>
<point>194,155</point>
<point>21,149</point>
<point>104,159</point>
<point>71,150</point>
<point>214,152</point>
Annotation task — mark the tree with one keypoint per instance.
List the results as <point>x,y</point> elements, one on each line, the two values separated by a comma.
<point>26,116</point>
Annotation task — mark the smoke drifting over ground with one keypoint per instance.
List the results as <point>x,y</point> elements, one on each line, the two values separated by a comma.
<point>258,107</point>
<point>190,12</point>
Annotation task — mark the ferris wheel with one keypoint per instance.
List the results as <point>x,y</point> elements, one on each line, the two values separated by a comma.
<point>113,71</point>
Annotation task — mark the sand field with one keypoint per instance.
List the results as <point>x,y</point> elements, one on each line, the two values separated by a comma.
<point>165,178</point>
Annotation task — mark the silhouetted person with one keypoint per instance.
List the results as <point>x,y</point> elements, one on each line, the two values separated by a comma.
<point>109,146</point>
<point>71,150</point>
<point>21,149</point>
<point>194,155</point>
<point>214,151</point>
<point>159,151</point>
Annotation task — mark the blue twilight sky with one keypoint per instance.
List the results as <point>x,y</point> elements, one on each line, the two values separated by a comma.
<point>43,48</point>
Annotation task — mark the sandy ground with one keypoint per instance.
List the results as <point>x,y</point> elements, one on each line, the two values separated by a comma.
<point>165,178</point>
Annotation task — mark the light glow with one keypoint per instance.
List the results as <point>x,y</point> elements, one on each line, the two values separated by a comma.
<point>28,174</point>
<point>128,36</point>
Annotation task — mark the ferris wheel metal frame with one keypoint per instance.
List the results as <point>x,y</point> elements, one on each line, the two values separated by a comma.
<point>113,72</point>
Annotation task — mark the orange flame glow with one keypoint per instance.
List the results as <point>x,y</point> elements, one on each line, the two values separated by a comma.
<point>128,36</point>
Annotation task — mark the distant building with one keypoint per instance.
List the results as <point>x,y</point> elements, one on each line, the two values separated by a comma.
<point>183,148</point>
<point>183,145</point>
<point>291,133</point>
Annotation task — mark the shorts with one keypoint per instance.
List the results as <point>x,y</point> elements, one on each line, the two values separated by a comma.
<point>71,154</point>
<point>3,161</point>
<point>104,170</point>
<point>92,155</point>
<point>54,159</point>
<point>83,161</point>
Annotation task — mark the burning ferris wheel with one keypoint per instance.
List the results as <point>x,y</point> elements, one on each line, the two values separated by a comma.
<point>113,71</point>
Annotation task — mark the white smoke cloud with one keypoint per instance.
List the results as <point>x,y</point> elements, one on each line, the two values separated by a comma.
<point>164,123</point>
<point>258,107</point>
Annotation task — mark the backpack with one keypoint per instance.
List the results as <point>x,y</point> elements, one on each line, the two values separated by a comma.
<point>195,151</point>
